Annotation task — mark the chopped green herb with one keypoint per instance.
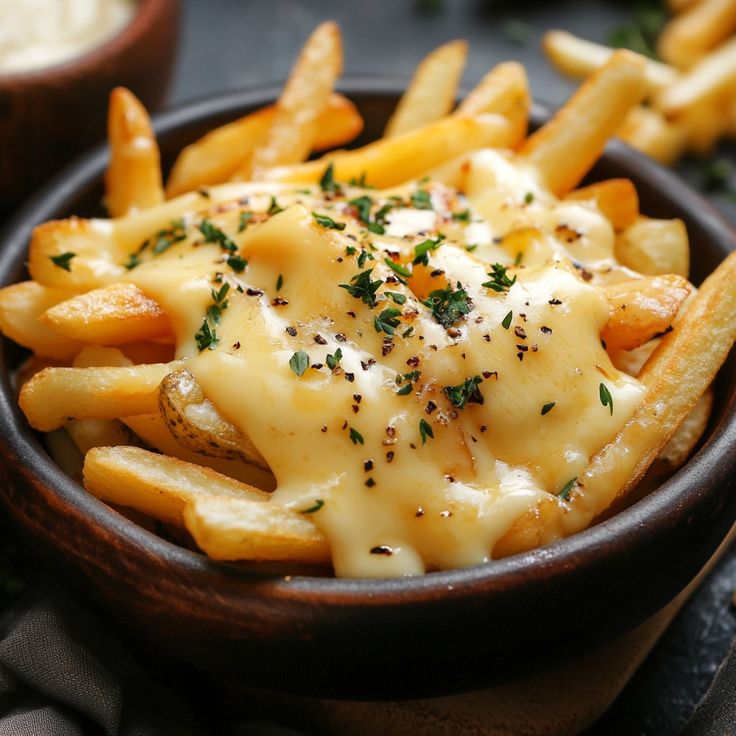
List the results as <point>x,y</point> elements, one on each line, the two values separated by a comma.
<point>360,181</point>
<point>328,183</point>
<point>606,398</point>
<point>404,390</point>
<point>463,216</point>
<point>564,494</point>
<point>387,320</point>
<point>641,35</point>
<point>397,267</point>
<point>334,360</point>
<point>547,408</point>
<point>421,251</point>
<point>361,287</point>
<point>363,206</point>
<point>299,362</point>
<point>237,263</point>
<point>375,227</point>
<point>396,297</point>
<point>206,337</point>
<point>356,437</point>
<point>529,197</point>
<point>471,248</point>
<point>500,282</point>
<point>328,222</point>
<point>407,332</point>
<point>63,260</point>
<point>363,257</point>
<point>350,250</point>
<point>244,220</point>
<point>134,259</point>
<point>273,208</point>
<point>213,234</point>
<point>425,430</point>
<point>421,200</point>
<point>449,305</point>
<point>519,258</point>
<point>167,237</point>
<point>465,393</point>
<point>318,504</point>
<point>506,323</point>
<point>279,282</point>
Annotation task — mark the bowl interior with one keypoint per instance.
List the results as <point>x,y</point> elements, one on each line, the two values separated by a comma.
<point>367,638</point>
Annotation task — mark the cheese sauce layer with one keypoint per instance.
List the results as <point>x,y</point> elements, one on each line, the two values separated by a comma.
<point>418,368</point>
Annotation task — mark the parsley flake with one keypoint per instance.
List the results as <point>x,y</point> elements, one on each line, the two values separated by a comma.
<point>425,430</point>
<point>328,222</point>
<point>396,297</point>
<point>318,504</point>
<point>547,408</point>
<point>449,305</point>
<point>421,251</point>
<point>397,268</point>
<point>244,220</point>
<point>279,282</point>
<point>506,323</point>
<point>356,437</point>
<point>63,260</point>
<point>213,234</point>
<point>606,398</point>
<point>273,208</point>
<point>564,494</point>
<point>167,237</point>
<point>465,393</point>
<point>387,320</point>
<point>299,362</point>
<point>334,360</point>
<point>327,183</point>
<point>237,263</point>
<point>206,337</point>
<point>361,287</point>
<point>499,280</point>
<point>421,200</point>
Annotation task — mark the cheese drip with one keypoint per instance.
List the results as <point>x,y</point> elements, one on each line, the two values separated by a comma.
<point>427,444</point>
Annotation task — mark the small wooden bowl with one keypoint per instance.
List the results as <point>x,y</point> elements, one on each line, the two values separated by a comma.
<point>50,115</point>
<point>441,633</point>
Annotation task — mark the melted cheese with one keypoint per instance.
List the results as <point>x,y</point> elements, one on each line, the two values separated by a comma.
<point>414,473</point>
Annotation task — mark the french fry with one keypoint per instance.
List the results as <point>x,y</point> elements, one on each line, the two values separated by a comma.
<point>564,149</point>
<point>133,178</point>
<point>96,356</point>
<point>391,161</point>
<point>654,247</point>
<point>111,315</point>
<point>642,309</point>
<point>153,431</point>
<point>56,395</point>
<point>89,433</point>
<point>579,58</point>
<point>650,132</point>
<point>688,434</point>
<point>20,307</point>
<point>239,529</point>
<point>304,99</point>
<point>154,484</point>
<point>504,90</point>
<point>215,157</point>
<point>432,91</point>
<point>706,123</point>
<point>617,199</point>
<point>690,36</point>
<point>678,6</point>
<point>713,77</point>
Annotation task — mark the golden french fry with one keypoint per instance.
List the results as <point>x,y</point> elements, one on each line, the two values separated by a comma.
<point>678,6</point>
<point>392,161</point>
<point>617,199</point>
<point>713,77</point>
<point>579,58</point>
<point>642,309</point>
<point>229,528</point>
<point>564,149</point>
<point>698,30</point>
<point>432,91</point>
<point>197,424</point>
<point>133,178</point>
<point>56,395</point>
<point>655,247</point>
<point>111,315</point>
<point>707,122</point>
<point>304,99</point>
<point>152,429</point>
<point>215,157</point>
<point>650,132</point>
<point>155,484</point>
<point>95,356</point>
<point>678,449</point>
<point>20,307</point>
<point>504,90</point>
<point>89,433</point>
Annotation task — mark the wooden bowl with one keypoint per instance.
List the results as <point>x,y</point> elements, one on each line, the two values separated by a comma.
<point>50,115</point>
<point>441,633</point>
